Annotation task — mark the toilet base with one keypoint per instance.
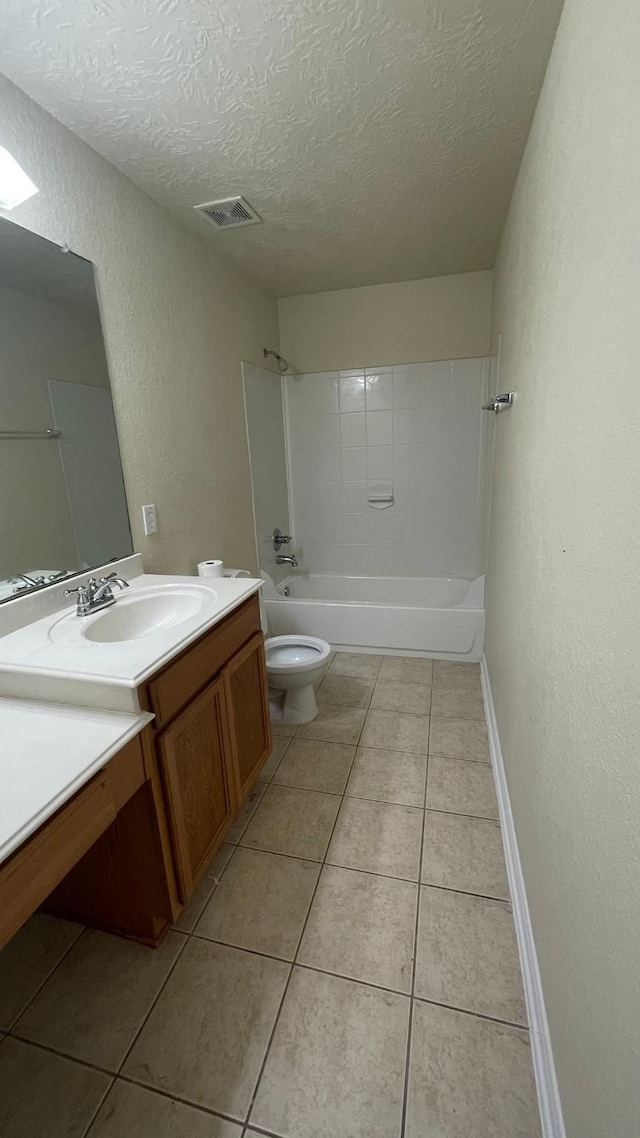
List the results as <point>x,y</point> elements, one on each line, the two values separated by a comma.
<point>298,705</point>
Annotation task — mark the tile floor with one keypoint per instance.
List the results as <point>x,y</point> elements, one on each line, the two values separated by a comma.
<point>347,968</point>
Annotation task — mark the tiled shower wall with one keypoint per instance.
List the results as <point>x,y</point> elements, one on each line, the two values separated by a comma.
<point>418,427</point>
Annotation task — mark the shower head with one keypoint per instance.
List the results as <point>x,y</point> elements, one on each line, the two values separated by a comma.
<point>283,365</point>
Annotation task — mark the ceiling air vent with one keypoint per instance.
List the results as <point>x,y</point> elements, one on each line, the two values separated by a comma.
<point>229,213</point>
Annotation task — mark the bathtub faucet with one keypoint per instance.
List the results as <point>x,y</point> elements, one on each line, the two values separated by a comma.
<point>282,560</point>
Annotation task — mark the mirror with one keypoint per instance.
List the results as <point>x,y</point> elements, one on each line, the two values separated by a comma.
<point>62,504</point>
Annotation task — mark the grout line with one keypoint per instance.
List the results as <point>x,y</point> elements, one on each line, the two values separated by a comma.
<point>407,1067</point>
<point>458,759</point>
<point>99,1107</point>
<point>476,1015</point>
<point>62,1054</point>
<point>295,956</point>
<point>465,892</point>
<point>83,930</point>
<point>154,1002</point>
<point>175,1095</point>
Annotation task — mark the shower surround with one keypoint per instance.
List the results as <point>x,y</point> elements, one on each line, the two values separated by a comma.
<point>417,427</point>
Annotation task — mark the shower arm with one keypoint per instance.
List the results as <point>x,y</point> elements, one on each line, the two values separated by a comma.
<point>280,360</point>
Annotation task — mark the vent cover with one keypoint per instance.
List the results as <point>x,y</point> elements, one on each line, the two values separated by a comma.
<point>229,213</point>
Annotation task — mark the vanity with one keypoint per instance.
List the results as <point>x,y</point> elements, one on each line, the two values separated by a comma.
<point>125,850</point>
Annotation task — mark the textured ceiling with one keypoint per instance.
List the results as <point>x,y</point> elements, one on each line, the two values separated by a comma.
<point>378,139</point>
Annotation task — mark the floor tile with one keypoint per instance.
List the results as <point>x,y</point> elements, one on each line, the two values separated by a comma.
<point>467,955</point>
<point>28,958</point>
<point>280,744</point>
<point>130,1111</point>
<point>457,703</point>
<point>454,674</point>
<point>396,731</point>
<point>313,764</point>
<point>396,695</point>
<point>469,1078</point>
<point>295,822</point>
<point>388,776</point>
<point>362,926</point>
<point>355,664</point>
<point>459,739</point>
<point>46,1094</point>
<point>186,920</point>
<point>281,730</point>
<point>335,724</point>
<point>261,903</point>
<point>219,861</point>
<point>406,669</point>
<point>464,853</point>
<point>208,1032</point>
<point>461,787</point>
<point>378,838</point>
<point>345,691</point>
<point>245,813</point>
<point>98,997</point>
<point>336,1065</point>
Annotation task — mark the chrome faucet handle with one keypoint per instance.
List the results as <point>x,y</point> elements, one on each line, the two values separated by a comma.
<point>83,607</point>
<point>280,538</point>
<point>80,589</point>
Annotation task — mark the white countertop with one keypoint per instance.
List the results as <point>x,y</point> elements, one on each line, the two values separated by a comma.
<point>106,675</point>
<point>48,752</point>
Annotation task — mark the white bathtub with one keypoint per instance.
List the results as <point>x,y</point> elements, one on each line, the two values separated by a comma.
<point>421,616</point>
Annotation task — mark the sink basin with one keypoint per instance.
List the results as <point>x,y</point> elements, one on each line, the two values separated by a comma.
<point>135,615</point>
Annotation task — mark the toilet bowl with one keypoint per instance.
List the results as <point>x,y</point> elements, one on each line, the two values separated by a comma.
<point>294,665</point>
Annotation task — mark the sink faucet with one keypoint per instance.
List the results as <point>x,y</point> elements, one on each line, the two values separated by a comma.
<point>282,560</point>
<point>96,595</point>
<point>28,582</point>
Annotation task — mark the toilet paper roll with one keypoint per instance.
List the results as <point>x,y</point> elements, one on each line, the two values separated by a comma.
<point>210,569</point>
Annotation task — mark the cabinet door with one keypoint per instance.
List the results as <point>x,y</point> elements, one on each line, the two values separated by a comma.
<point>245,680</point>
<point>196,760</point>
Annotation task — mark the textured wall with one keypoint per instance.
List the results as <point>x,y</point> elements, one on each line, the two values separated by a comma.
<point>441,318</point>
<point>563,610</point>
<point>177,322</point>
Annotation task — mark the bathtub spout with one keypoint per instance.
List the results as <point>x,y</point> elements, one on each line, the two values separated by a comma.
<point>282,560</point>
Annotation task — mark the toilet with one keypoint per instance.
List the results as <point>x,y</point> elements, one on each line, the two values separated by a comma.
<point>295,664</point>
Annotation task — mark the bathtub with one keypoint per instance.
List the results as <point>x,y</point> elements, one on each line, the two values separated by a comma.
<point>411,616</point>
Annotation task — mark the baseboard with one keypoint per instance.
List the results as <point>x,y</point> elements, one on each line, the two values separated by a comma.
<point>543,1066</point>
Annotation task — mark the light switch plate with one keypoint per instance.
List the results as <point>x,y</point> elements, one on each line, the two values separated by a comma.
<point>149,520</point>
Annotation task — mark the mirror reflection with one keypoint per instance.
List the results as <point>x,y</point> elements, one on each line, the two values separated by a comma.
<point>62,507</point>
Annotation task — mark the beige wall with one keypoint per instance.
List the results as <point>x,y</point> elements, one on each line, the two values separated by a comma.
<point>563,632</point>
<point>437,319</point>
<point>177,322</point>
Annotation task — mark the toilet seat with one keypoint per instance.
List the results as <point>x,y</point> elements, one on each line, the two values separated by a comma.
<point>299,652</point>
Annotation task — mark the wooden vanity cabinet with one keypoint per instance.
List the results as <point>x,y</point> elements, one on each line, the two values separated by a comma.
<point>127,851</point>
<point>212,736</point>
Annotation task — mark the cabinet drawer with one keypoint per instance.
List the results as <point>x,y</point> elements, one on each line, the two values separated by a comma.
<point>183,678</point>
<point>39,865</point>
